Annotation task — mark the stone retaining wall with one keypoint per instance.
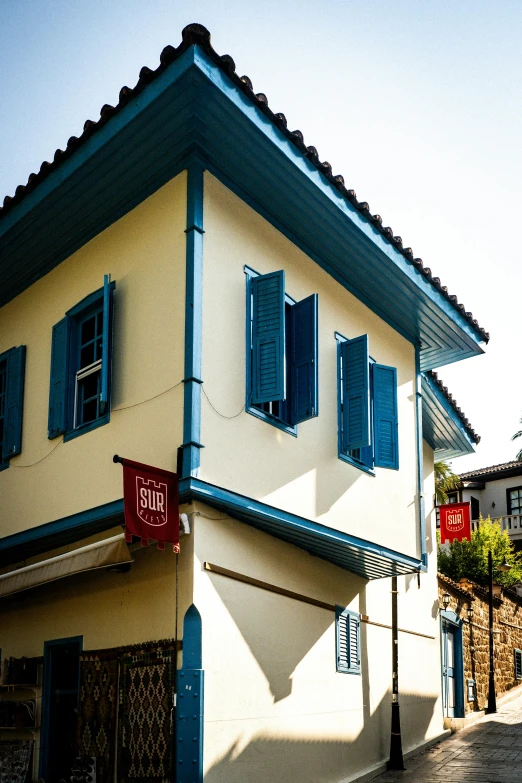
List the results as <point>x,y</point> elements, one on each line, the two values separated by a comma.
<point>507,625</point>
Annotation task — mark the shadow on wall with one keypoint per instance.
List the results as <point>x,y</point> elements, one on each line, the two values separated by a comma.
<point>277,617</point>
<point>307,760</point>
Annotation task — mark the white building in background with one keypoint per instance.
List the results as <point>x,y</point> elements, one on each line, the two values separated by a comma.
<point>189,286</point>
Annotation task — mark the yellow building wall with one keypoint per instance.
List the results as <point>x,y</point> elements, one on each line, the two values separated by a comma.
<point>302,475</point>
<point>275,706</point>
<point>145,254</point>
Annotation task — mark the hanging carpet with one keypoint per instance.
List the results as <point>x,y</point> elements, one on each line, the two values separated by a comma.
<point>145,746</point>
<point>96,728</point>
<point>15,758</point>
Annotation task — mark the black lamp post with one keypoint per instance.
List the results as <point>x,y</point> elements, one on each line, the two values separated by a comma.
<point>492,699</point>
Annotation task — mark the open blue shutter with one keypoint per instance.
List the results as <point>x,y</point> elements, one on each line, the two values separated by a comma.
<point>268,337</point>
<point>303,367</point>
<point>58,385</point>
<point>107,341</point>
<point>355,372</point>
<point>14,403</point>
<point>385,416</point>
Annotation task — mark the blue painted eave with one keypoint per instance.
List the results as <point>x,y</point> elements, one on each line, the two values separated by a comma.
<point>361,557</point>
<point>191,107</point>
<point>441,426</point>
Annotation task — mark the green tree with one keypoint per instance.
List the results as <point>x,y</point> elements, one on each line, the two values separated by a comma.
<point>445,481</point>
<point>515,436</point>
<point>470,558</point>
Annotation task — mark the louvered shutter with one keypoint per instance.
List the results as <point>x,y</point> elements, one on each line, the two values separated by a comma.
<point>14,403</point>
<point>385,416</point>
<point>356,393</point>
<point>268,337</point>
<point>303,363</point>
<point>518,664</point>
<point>59,379</point>
<point>106,369</point>
<point>348,641</point>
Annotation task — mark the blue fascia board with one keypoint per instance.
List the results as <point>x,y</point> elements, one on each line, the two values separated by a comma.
<point>432,316</point>
<point>442,427</point>
<point>99,140</point>
<point>60,532</point>
<point>358,555</point>
<point>263,123</point>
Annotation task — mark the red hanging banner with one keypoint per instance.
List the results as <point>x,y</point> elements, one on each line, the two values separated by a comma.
<point>455,524</point>
<point>150,499</point>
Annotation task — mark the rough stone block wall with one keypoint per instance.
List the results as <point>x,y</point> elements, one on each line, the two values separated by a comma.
<point>507,627</point>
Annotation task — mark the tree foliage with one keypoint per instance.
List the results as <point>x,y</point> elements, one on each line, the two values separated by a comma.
<point>470,558</point>
<point>514,437</point>
<point>445,481</point>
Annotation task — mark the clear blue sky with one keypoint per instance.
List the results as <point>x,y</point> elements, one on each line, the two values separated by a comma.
<point>418,104</point>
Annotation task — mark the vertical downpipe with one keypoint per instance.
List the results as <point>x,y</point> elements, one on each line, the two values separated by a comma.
<point>193,322</point>
<point>396,761</point>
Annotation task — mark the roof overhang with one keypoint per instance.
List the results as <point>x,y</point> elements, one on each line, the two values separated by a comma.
<point>354,554</point>
<point>192,107</point>
<point>442,428</point>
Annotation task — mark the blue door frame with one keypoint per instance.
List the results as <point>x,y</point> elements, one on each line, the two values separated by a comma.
<point>47,695</point>
<point>452,665</point>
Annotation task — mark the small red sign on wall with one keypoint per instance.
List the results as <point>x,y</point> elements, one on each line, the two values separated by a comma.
<point>455,522</point>
<point>150,504</point>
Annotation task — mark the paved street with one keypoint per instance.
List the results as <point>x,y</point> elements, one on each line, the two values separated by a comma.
<point>490,751</point>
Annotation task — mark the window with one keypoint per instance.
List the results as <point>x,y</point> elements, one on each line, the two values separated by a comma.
<point>12,374</point>
<point>475,508</point>
<point>368,417</point>
<point>281,352</point>
<point>347,641</point>
<point>514,498</point>
<point>79,397</point>
<point>518,664</point>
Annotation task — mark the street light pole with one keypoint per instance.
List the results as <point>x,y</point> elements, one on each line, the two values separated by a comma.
<point>492,699</point>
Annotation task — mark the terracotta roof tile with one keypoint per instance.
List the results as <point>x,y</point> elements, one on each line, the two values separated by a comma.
<point>503,467</point>
<point>447,394</point>
<point>196,34</point>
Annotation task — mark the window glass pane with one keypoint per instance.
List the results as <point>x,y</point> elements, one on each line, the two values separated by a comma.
<point>87,355</point>
<point>88,398</point>
<point>87,330</point>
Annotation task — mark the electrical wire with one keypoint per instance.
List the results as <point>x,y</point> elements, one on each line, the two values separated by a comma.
<point>222,414</point>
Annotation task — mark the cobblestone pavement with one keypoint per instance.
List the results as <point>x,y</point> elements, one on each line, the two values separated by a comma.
<point>489,751</point>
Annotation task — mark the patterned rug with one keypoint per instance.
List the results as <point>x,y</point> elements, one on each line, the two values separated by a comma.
<point>15,758</point>
<point>96,728</point>
<point>145,747</point>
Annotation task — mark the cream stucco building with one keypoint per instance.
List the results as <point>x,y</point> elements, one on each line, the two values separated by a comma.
<point>188,286</point>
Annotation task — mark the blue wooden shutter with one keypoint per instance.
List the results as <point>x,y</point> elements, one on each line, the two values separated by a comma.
<point>385,416</point>
<point>59,379</point>
<point>106,368</point>
<point>268,337</point>
<point>348,643</point>
<point>303,367</point>
<point>355,373</point>
<point>14,403</point>
<point>518,664</point>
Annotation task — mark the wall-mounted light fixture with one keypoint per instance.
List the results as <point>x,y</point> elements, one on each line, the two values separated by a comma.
<point>446,598</point>
<point>470,612</point>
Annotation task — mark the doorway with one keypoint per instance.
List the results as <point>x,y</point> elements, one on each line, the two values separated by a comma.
<point>452,666</point>
<point>59,708</point>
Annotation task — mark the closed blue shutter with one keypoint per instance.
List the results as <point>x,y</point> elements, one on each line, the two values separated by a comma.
<point>303,367</point>
<point>58,385</point>
<point>106,369</point>
<point>348,644</point>
<point>355,373</point>
<point>12,443</point>
<point>268,337</point>
<point>518,664</point>
<point>385,416</point>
